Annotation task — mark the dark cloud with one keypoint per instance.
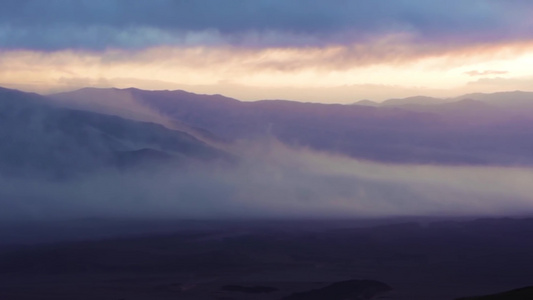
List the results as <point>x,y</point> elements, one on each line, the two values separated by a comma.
<point>100,24</point>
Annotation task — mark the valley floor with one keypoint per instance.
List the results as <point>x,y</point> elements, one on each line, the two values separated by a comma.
<point>436,260</point>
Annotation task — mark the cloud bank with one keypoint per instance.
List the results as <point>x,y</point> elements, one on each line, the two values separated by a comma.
<point>334,74</point>
<point>101,24</point>
<point>273,181</point>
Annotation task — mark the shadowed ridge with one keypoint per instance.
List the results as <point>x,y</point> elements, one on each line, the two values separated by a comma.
<point>366,102</point>
<point>350,289</point>
<point>13,95</point>
<point>136,104</point>
<point>471,132</point>
<point>525,293</point>
<point>40,138</point>
<point>419,100</point>
<point>503,99</point>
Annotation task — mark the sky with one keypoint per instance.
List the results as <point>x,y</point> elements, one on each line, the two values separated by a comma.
<point>334,51</point>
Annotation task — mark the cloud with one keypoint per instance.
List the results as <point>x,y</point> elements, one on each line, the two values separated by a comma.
<point>273,181</point>
<point>475,73</point>
<point>102,24</point>
<point>494,84</point>
<point>334,73</point>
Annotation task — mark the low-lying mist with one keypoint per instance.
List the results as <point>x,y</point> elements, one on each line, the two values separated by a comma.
<point>272,180</point>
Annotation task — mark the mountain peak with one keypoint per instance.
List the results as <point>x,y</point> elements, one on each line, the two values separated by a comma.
<point>366,102</point>
<point>415,100</point>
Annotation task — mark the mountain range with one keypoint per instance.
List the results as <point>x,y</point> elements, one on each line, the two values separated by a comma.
<point>91,128</point>
<point>475,129</point>
<point>41,138</point>
<point>173,171</point>
<point>96,128</point>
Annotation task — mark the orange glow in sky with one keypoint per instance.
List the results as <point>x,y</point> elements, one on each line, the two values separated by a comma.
<point>327,74</point>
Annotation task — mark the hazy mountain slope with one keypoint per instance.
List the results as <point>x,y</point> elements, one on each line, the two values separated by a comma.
<point>38,137</point>
<point>366,102</point>
<point>417,100</point>
<point>126,104</point>
<point>467,131</point>
<point>468,113</point>
<point>445,135</point>
<point>510,100</point>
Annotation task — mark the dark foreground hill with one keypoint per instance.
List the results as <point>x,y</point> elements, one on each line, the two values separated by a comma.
<point>438,260</point>
<point>525,293</point>
<point>350,289</point>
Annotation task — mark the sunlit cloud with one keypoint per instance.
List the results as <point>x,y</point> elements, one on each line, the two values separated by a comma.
<point>393,62</point>
<point>474,73</point>
<point>267,45</point>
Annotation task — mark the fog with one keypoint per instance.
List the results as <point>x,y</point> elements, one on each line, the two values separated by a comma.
<point>273,181</point>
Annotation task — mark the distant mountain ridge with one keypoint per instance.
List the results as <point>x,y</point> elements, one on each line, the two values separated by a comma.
<point>124,103</point>
<point>509,99</point>
<point>418,100</point>
<point>465,130</point>
<point>40,138</point>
